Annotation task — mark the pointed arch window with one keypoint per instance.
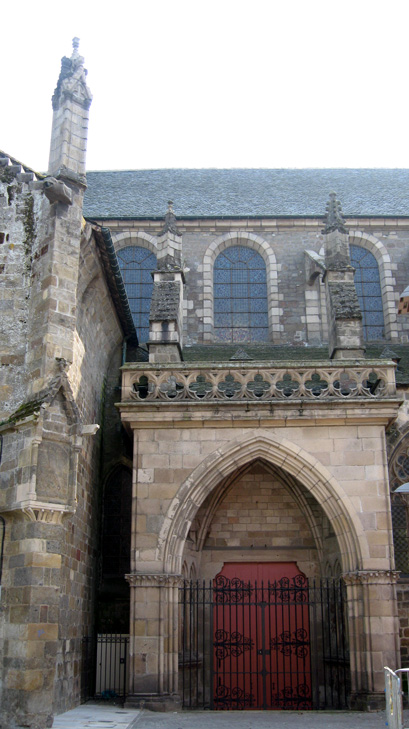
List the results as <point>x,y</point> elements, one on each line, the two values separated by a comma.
<point>368,287</point>
<point>136,264</point>
<point>240,296</point>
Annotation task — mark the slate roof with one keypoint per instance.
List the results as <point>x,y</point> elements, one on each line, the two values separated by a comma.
<point>246,193</point>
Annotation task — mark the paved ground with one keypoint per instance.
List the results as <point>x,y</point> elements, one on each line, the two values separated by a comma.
<point>102,716</point>
<point>261,720</point>
<point>97,716</point>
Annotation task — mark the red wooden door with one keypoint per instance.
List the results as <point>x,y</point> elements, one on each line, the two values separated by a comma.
<point>261,657</point>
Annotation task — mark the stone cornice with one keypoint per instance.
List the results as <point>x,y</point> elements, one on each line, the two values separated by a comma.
<point>221,225</point>
<point>244,414</point>
<point>369,577</point>
<point>154,580</point>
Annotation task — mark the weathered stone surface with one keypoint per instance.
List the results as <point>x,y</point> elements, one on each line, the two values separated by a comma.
<point>344,300</point>
<point>165,301</point>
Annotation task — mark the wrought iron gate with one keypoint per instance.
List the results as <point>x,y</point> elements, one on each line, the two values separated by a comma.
<point>104,673</point>
<point>267,645</point>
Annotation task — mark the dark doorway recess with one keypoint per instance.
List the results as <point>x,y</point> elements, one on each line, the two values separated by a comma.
<point>113,593</point>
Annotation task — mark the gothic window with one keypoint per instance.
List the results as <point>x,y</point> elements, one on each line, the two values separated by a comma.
<point>368,288</point>
<point>399,474</point>
<point>136,264</point>
<point>240,296</point>
<point>400,532</point>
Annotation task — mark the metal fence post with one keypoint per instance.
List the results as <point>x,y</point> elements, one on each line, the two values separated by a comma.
<point>393,695</point>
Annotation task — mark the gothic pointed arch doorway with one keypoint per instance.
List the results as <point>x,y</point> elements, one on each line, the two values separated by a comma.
<point>253,627</point>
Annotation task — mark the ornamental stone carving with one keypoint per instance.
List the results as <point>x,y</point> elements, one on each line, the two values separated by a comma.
<point>246,382</point>
<point>154,580</point>
<point>379,577</point>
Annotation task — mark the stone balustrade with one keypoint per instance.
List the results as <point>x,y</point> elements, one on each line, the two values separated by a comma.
<point>258,382</point>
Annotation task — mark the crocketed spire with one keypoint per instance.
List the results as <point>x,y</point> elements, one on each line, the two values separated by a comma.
<point>334,220</point>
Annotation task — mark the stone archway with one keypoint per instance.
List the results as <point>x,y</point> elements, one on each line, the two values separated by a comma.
<point>278,452</point>
<point>371,593</point>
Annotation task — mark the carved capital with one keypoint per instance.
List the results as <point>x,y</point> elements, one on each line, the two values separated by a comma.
<point>154,580</point>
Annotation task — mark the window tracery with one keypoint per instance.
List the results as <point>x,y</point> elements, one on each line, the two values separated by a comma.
<point>399,474</point>
<point>136,264</point>
<point>368,288</point>
<point>240,296</point>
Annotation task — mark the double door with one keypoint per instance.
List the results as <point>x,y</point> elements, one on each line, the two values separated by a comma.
<point>261,637</point>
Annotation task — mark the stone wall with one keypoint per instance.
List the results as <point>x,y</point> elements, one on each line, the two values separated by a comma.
<point>296,306</point>
<point>353,454</point>
<point>258,520</point>
<point>191,513</point>
<point>98,336</point>
<point>51,554</point>
<point>21,202</point>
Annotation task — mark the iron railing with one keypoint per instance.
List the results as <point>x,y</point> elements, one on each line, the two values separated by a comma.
<point>105,664</point>
<point>280,645</point>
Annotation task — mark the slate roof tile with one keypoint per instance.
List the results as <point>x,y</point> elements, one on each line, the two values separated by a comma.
<point>245,192</point>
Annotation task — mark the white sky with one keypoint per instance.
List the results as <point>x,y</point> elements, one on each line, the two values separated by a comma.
<point>182,83</point>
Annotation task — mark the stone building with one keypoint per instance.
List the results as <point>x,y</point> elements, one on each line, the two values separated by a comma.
<point>212,390</point>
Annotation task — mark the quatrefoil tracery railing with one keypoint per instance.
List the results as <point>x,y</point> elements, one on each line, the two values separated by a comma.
<point>258,384</point>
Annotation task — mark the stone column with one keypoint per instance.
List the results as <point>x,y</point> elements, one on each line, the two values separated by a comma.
<point>373,634</point>
<point>153,650</point>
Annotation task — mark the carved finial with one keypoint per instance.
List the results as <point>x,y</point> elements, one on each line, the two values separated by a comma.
<point>388,353</point>
<point>240,354</point>
<point>334,219</point>
<point>170,221</point>
<point>75,44</point>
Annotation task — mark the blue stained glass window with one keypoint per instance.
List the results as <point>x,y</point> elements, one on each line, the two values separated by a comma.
<point>256,276</point>
<point>259,320</point>
<point>221,291</point>
<point>368,288</point>
<point>220,320</point>
<point>241,320</point>
<point>221,276</point>
<point>136,265</point>
<point>240,288</point>
<point>224,305</point>
<point>258,335</point>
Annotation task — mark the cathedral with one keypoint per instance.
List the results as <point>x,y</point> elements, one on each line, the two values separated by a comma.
<point>204,432</point>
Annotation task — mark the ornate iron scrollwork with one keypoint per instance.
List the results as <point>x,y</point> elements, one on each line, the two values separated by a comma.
<point>287,591</point>
<point>296,643</point>
<point>227,697</point>
<point>231,591</point>
<point>293,697</point>
<point>231,644</point>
